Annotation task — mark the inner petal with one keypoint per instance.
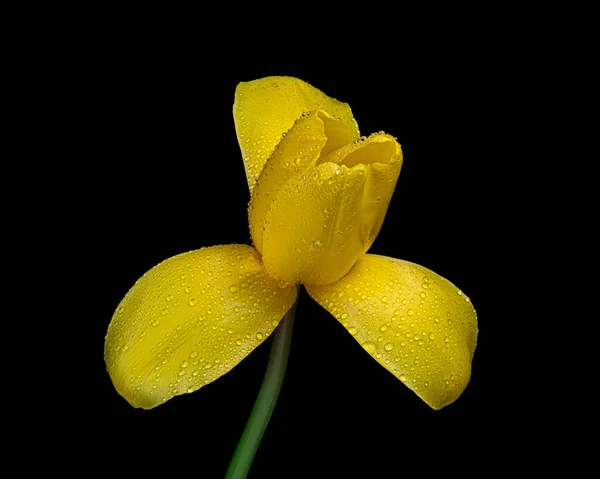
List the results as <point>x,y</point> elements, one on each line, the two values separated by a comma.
<point>377,148</point>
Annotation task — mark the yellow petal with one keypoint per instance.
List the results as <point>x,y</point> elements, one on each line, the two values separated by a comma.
<point>415,323</point>
<point>189,320</point>
<point>312,221</point>
<point>267,108</point>
<point>314,135</point>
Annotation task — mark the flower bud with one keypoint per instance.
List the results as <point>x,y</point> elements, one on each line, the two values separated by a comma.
<point>320,201</point>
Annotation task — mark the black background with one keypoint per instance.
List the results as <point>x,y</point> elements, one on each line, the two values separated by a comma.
<point>160,173</point>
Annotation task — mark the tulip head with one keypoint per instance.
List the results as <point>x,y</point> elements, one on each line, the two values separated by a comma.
<point>321,198</point>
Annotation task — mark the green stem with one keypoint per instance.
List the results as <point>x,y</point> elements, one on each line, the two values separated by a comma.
<point>266,399</point>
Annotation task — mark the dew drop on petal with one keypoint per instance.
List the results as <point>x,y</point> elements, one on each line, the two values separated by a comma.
<point>369,347</point>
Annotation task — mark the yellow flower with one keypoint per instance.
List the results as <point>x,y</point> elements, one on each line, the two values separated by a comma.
<point>319,194</point>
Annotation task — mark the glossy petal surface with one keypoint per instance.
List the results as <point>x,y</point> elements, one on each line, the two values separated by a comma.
<point>320,202</point>
<point>189,320</point>
<point>415,323</point>
<point>267,108</point>
<point>314,135</point>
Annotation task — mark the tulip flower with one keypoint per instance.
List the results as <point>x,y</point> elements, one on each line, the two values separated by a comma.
<point>319,195</point>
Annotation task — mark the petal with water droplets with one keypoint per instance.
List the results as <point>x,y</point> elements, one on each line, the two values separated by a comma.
<point>313,136</point>
<point>415,323</point>
<point>267,108</point>
<point>313,220</point>
<point>189,320</point>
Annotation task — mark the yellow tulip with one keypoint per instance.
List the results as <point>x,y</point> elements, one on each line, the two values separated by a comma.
<point>319,194</point>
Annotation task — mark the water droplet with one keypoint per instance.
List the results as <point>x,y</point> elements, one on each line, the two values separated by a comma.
<point>403,378</point>
<point>410,312</point>
<point>194,354</point>
<point>459,292</point>
<point>353,331</point>
<point>416,337</point>
<point>275,323</point>
<point>384,299</point>
<point>282,284</point>
<point>120,310</point>
<point>383,328</point>
<point>185,364</point>
<point>170,297</point>
<point>344,316</point>
<point>195,373</point>
<point>316,243</point>
<point>164,311</point>
<point>259,336</point>
<point>233,289</point>
<point>389,347</point>
<point>431,336</point>
<point>156,323</point>
<point>188,289</point>
<point>239,342</point>
<point>423,294</point>
<point>338,171</point>
<point>369,347</point>
<point>193,301</point>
